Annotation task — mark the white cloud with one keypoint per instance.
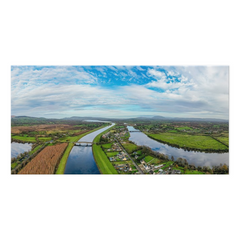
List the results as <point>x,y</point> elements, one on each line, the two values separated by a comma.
<point>66,91</point>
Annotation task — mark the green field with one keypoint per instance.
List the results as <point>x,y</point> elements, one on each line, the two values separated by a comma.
<point>35,149</point>
<point>101,158</point>
<point>130,147</point>
<point>167,164</point>
<point>123,162</point>
<point>102,161</point>
<point>190,141</point>
<point>106,146</point>
<point>44,139</point>
<point>111,154</point>
<point>184,128</point>
<point>13,165</point>
<point>148,159</point>
<point>24,138</point>
<point>63,161</point>
<point>173,131</point>
<point>155,161</point>
<point>224,140</point>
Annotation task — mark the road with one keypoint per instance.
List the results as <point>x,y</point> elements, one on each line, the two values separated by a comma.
<point>129,156</point>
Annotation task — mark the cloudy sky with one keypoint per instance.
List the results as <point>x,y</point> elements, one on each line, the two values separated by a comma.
<point>119,91</point>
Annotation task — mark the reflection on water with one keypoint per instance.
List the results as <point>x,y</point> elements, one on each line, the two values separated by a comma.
<point>17,148</point>
<point>80,159</point>
<point>196,158</point>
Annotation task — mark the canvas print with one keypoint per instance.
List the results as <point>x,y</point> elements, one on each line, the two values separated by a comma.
<point>158,120</point>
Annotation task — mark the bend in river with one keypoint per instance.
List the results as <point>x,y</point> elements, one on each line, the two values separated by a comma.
<point>80,159</point>
<point>196,158</point>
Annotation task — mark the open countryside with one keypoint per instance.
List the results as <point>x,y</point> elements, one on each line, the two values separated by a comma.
<point>119,120</point>
<point>76,146</point>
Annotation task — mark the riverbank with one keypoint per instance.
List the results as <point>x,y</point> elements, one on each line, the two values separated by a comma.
<point>102,161</point>
<point>63,161</point>
<point>190,142</point>
<point>197,158</point>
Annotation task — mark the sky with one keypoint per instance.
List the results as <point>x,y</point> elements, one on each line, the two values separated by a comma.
<point>120,91</point>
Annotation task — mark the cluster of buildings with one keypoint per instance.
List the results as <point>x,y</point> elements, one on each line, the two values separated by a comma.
<point>121,156</point>
<point>157,169</point>
<point>115,148</point>
<point>106,135</point>
<point>123,167</point>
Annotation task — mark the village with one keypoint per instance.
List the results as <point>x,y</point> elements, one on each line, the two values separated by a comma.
<point>123,160</point>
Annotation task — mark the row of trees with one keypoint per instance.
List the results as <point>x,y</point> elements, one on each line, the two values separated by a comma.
<point>221,169</point>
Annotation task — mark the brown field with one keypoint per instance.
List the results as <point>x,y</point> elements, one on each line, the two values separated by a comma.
<point>46,161</point>
<point>43,127</point>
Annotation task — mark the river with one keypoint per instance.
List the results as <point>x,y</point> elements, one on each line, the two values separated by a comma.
<point>196,158</point>
<point>80,159</point>
<point>17,148</point>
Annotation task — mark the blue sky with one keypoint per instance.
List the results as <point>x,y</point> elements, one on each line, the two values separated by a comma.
<point>120,91</point>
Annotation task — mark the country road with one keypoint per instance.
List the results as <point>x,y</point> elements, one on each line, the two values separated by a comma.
<point>129,156</point>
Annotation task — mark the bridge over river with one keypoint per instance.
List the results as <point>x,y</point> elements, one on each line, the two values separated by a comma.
<point>83,144</point>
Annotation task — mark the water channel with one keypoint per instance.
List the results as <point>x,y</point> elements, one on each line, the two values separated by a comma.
<point>196,158</point>
<point>17,148</point>
<point>80,159</point>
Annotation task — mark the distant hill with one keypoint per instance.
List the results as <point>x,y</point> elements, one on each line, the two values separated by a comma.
<point>158,117</point>
<point>200,119</point>
<point>27,119</point>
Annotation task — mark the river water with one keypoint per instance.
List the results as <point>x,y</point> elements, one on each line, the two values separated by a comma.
<point>80,159</point>
<point>196,158</point>
<point>17,148</point>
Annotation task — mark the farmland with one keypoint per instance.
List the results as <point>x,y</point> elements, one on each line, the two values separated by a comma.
<point>130,147</point>
<point>191,141</point>
<point>46,161</point>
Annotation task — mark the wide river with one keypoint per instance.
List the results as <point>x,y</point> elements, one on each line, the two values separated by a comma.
<point>80,159</point>
<point>196,158</point>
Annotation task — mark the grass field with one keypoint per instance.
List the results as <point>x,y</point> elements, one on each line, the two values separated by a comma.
<point>25,138</point>
<point>106,146</point>
<point>130,147</point>
<point>35,149</point>
<point>63,161</point>
<point>167,164</point>
<point>123,162</point>
<point>155,161</point>
<point>102,161</point>
<point>148,159</point>
<point>224,140</point>
<point>111,154</point>
<point>45,139</point>
<point>13,165</point>
<point>191,141</point>
<point>184,128</point>
<point>172,131</point>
